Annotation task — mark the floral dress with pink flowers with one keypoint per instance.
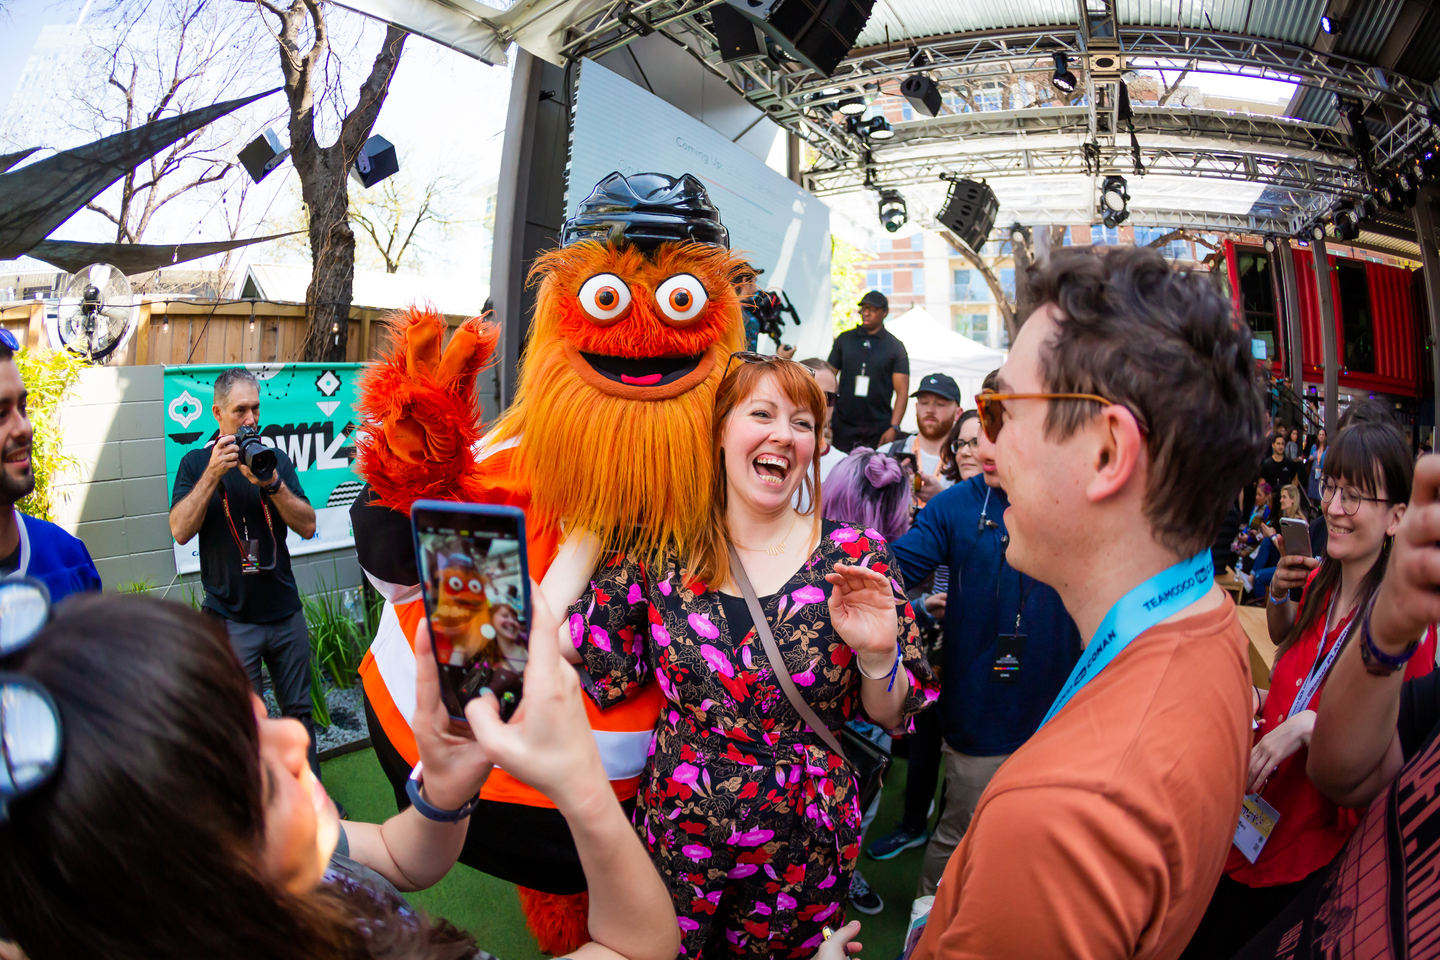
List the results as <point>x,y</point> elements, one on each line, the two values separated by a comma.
<point>753,822</point>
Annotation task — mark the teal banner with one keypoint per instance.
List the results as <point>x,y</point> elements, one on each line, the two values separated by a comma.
<point>306,410</point>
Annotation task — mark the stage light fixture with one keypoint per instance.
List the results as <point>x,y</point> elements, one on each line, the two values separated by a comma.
<point>878,128</point>
<point>1430,161</point>
<point>1113,220</point>
<point>1317,231</point>
<point>892,210</point>
<point>1332,25</point>
<point>1269,244</point>
<point>1347,225</point>
<point>1113,196</point>
<point>852,104</point>
<point>1019,234</point>
<point>1064,80</point>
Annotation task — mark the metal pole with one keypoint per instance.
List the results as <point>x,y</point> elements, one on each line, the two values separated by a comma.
<point>1425,230</point>
<point>1327,336</point>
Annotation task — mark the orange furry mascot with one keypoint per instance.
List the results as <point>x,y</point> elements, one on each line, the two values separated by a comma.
<point>635,319</point>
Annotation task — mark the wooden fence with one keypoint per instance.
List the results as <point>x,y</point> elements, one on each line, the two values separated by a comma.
<point>177,332</point>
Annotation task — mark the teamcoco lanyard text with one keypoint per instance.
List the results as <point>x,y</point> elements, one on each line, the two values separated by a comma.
<point>1163,595</point>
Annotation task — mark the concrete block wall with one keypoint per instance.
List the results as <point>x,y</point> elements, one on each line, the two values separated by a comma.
<point>117,500</point>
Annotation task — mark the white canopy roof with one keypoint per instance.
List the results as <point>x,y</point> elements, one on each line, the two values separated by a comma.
<point>382,291</point>
<point>935,348</point>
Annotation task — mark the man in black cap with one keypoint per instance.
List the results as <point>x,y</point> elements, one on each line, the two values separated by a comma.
<point>874,379</point>
<point>937,404</point>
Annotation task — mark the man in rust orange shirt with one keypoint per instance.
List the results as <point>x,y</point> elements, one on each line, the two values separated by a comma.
<point>1128,416</point>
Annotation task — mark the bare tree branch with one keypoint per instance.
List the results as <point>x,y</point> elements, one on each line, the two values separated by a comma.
<point>1007,312</point>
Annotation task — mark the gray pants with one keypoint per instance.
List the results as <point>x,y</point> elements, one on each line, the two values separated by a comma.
<point>965,779</point>
<point>284,647</point>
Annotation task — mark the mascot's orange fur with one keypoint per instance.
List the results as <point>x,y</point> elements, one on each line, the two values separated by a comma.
<point>609,431</point>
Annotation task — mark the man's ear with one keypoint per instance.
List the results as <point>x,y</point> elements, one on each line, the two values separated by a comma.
<point>215,411</point>
<point>1117,453</point>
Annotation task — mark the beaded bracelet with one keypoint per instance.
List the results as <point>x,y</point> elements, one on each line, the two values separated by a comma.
<point>1377,662</point>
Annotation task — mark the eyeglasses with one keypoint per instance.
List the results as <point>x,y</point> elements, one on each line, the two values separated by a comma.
<point>8,339</point>
<point>749,356</point>
<point>830,395</point>
<point>967,444</point>
<point>30,731</point>
<point>992,407</point>
<point>1350,497</point>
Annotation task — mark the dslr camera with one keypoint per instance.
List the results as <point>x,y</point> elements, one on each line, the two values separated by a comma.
<point>259,458</point>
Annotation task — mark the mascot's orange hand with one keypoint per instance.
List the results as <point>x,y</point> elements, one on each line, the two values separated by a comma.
<point>408,436</point>
<point>422,400</point>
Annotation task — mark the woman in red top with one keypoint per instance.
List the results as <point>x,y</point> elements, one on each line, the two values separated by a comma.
<point>1367,473</point>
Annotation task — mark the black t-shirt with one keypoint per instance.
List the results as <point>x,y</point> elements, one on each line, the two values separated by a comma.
<point>10,564</point>
<point>878,356</point>
<point>1278,473</point>
<point>1380,896</point>
<point>246,598</point>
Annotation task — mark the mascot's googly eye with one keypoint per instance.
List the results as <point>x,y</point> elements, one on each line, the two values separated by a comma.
<point>605,297</point>
<point>681,298</point>
<point>456,583</point>
<point>475,586</point>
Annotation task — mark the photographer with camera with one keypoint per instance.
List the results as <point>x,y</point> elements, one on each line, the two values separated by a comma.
<point>240,496</point>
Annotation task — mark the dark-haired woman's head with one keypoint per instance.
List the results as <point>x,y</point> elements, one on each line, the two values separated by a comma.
<point>1364,488</point>
<point>869,489</point>
<point>182,821</point>
<point>961,459</point>
<point>1365,485</point>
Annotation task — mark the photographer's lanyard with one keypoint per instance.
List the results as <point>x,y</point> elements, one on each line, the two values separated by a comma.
<point>1321,667</point>
<point>1163,595</point>
<point>250,549</point>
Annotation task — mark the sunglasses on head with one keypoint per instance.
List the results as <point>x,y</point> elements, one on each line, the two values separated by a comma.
<point>750,356</point>
<point>992,407</point>
<point>30,731</point>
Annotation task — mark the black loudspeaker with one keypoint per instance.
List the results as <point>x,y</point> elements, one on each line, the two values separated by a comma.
<point>262,155</point>
<point>818,33</point>
<point>376,162</point>
<point>923,94</point>
<point>970,211</point>
<point>737,35</point>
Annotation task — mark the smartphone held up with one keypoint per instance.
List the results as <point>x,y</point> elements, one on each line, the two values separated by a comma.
<point>476,585</point>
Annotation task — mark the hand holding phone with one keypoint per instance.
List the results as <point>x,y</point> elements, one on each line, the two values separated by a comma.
<point>1296,534</point>
<point>476,586</point>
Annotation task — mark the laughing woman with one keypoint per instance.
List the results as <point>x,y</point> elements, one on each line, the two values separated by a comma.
<point>751,819</point>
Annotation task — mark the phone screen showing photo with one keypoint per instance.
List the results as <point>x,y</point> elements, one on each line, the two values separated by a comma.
<point>476,587</point>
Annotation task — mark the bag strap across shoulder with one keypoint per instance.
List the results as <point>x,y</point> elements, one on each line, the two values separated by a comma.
<point>772,653</point>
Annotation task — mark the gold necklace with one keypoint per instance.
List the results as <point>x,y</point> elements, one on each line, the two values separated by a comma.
<point>778,548</point>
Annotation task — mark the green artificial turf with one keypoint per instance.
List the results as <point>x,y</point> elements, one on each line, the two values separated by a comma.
<point>490,909</point>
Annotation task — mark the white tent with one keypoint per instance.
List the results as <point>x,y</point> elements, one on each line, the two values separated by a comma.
<point>935,348</point>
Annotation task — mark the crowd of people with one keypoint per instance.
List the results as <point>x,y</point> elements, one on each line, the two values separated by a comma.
<point>1021,598</point>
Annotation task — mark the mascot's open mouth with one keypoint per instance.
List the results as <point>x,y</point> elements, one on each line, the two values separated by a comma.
<point>640,378</point>
<point>641,371</point>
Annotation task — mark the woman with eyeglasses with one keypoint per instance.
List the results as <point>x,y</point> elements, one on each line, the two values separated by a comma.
<point>1367,479</point>
<point>962,460</point>
<point>749,811</point>
<point>175,820</point>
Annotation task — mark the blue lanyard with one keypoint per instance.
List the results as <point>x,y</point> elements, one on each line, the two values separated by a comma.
<point>1163,595</point>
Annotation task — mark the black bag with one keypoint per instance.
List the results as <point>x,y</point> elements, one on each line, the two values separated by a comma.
<point>866,758</point>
